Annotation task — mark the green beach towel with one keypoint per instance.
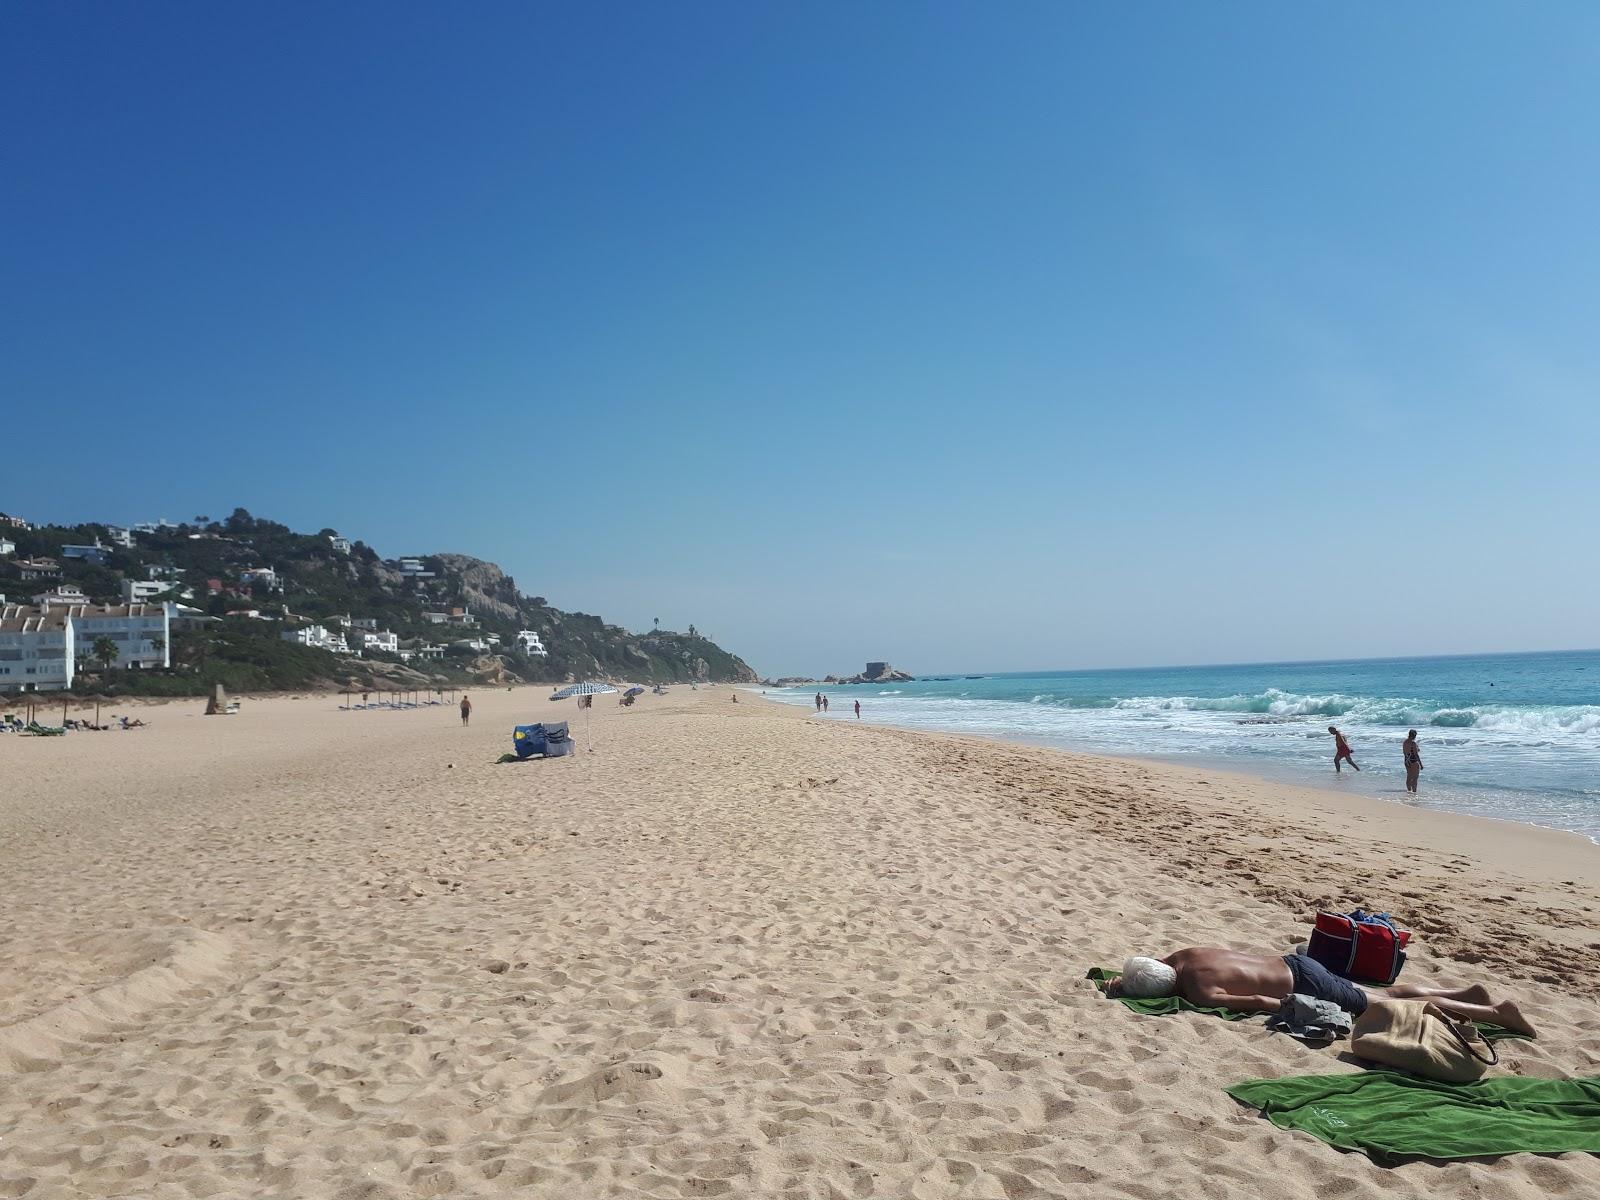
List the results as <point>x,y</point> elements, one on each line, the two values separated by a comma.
<point>1395,1117</point>
<point>1165,1006</point>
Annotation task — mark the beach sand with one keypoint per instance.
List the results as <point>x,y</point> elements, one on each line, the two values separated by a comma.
<point>734,951</point>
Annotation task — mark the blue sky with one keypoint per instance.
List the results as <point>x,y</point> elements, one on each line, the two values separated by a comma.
<point>970,337</point>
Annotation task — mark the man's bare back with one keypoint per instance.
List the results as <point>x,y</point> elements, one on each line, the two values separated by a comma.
<point>1217,978</point>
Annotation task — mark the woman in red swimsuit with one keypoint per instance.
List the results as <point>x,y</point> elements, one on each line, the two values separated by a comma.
<point>1341,750</point>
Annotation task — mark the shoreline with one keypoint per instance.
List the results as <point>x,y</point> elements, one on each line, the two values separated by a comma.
<point>732,950</point>
<point>1266,771</point>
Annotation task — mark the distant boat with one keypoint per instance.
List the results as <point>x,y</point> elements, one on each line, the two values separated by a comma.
<point>974,676</point>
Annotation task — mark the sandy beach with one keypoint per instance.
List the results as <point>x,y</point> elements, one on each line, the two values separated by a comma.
<point>733,951</point>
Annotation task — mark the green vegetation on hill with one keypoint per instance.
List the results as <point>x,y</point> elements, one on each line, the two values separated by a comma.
<point>317,583</point>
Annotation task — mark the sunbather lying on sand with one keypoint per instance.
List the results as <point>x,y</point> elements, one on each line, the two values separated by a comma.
<point>1216,978</point>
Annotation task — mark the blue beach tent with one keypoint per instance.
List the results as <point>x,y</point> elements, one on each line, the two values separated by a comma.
<point>549,739</point>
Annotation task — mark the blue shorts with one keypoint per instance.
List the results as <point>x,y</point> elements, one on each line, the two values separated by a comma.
<point>1311,978</point>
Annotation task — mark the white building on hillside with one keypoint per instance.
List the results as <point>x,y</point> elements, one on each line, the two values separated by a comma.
<point>529,642</point>
<point>341,545</point>
<point>36,650</point>
<point>138,591</point>
<point>261,576</point>
<point>142,634</point>
<point>43,649</point>
<point>120,536</point>
<point>318,638</point>
<point>98,553</point>
<point>7,546</point>
<point>367,639</point>
<point>61,596</point>
<point>38,568</point>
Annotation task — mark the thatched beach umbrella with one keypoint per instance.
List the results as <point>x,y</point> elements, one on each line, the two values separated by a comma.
<point>97,700</point>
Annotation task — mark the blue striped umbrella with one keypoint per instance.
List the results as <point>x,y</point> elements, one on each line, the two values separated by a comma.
<point>587,688</point>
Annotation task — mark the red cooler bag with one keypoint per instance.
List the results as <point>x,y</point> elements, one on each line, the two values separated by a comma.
<point>1365,950</point>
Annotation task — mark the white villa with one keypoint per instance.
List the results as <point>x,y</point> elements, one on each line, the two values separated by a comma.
<point>318,638</point>
<point>265,576</point>
<point>367,639</point>
<point>42,649</point>
<point>61,595</point>
<point>7,546</point>
<point>137,591</point>
<point>341,545</point>
<point>529,642</point>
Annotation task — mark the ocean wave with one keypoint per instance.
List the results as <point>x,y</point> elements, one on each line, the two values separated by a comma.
<point>1271,702</point>
<point>1533,720</point>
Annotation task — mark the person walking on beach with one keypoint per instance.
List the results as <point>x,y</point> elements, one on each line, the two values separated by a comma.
<point>817,700</point>
<point>1341,750</point>
<point>824,704</point>
<point>1413,757</point>
<point>858,710</point>
<point>466,710</point>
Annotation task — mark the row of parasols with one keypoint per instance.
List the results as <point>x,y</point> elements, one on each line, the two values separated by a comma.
<point>37,706</point>
<point>393,697</point>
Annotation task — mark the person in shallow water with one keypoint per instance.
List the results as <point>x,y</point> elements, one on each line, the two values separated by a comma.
<point>1214,978</point>
<point>1413,757</point>
<point>1341,750</point>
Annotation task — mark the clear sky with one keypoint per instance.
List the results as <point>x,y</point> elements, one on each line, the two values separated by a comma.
<point>967,336</point>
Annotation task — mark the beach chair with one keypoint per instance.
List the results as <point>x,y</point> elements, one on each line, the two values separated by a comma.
<point>550,738</point>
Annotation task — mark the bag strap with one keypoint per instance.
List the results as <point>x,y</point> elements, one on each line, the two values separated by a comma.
<point>1466,1042</point>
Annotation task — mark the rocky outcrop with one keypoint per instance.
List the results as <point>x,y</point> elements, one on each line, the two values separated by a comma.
<point>880,672</point>
<point>485,588</point>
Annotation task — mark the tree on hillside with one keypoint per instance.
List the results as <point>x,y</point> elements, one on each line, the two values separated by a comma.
<point>691,631</point>
<point>104,651</point>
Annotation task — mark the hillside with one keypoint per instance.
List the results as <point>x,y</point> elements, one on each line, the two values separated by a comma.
<point>456,617</point>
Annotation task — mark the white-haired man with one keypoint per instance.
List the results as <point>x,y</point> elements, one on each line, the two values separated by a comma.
<point>1215,978</point>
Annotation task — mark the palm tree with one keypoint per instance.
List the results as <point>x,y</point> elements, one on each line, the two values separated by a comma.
<point>104,652</point>
<point>691,630</point>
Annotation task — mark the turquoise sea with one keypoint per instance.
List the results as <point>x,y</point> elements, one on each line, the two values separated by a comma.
<point>1513,736</point>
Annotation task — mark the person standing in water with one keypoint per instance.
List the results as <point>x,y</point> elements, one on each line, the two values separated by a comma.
<point>1341,750</point>
<point>824,702</point>
<point>858,710</point>
<point>466,710</point>
<point>1413,757</point>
